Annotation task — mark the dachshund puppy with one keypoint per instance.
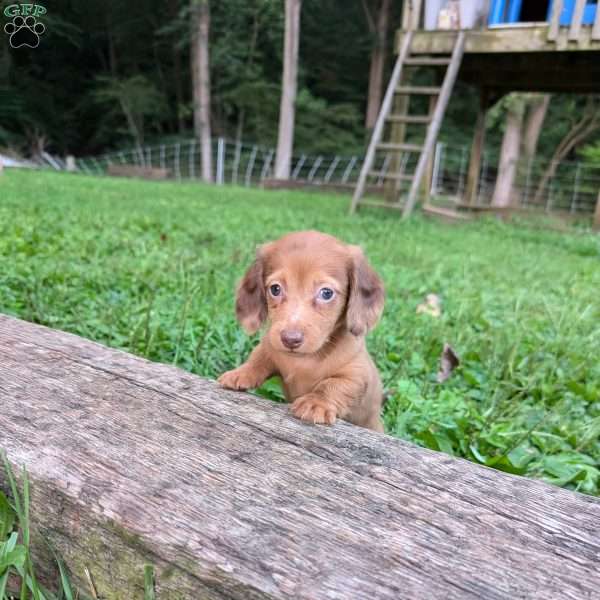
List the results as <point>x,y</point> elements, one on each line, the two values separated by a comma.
<point>320,297</point>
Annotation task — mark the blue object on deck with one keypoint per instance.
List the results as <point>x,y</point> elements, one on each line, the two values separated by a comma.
<point>566,16</point>
<point>505,11</point>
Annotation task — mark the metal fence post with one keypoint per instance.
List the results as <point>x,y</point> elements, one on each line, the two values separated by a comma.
<point>220,160</point>
<point>298,166</point>
<point>461,172</point>
<point>436,170</point>
<point>575,194</point>
<point>192,159</point>
<point>483,179</point>
<point>384,168</point>
<point>315,167</point>
<point>527,182</point>
<point>331,169</point>
<point>349,169</point>
<point>267,164</point>
<point>177,165</point>
<point>250,166</point>
<point>236,161</point>
<point>162,156</point>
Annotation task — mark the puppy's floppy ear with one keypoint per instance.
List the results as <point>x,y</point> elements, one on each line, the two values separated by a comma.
<point>251,303</point>
<point>366,294</point>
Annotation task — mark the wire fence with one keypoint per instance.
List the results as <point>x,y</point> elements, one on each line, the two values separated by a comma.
<point>573,187</point>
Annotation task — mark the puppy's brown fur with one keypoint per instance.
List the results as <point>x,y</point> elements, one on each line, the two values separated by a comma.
<point>315,343</point>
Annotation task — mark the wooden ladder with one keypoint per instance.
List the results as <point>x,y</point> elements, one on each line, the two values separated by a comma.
<point>432,122</point>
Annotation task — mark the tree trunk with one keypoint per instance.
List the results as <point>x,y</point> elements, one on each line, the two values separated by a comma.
<point>596,224</point>
<point>200,10</point>
<point>249,63</point>
<point>509,156</point>
<point>588,124</point>
<point>377,62</point>
<point>178,89</point>
<point>534,121</point>
<point>228,496</point>
<point>289,84</point>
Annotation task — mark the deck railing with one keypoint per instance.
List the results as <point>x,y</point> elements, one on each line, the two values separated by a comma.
<point>412,18</point>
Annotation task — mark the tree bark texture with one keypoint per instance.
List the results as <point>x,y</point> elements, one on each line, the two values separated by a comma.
<point>200,23</point>
<point>289,84</point>
<point>534,121</point>
<point>229,496</point>
<point>509,157</point>
<point>379,29</point>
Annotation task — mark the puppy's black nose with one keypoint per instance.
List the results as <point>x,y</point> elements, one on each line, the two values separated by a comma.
<point>292,339</point>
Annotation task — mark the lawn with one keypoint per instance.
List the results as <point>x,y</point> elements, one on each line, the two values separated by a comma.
<point>151,268</point>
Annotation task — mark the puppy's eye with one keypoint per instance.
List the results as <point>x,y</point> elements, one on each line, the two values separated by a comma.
<point>326,294</point>
<point>275,289</point>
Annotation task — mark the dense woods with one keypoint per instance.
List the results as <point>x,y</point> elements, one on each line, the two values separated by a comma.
<point>107,76</point>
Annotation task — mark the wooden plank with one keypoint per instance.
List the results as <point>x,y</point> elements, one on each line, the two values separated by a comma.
<point>385,109</point>
<point>400,147</point>
<point>423,90</point>
<point>428,177</point>
<point>229,496</point>
<point>434,127</point>
<point>596,225</point>
<point>393,176</point>
<point>575,28</point>
<point>554,27</point>
<point>476,152</point>
<point>427,62</point>
<point>416,13</point>
<point>596,27</point>
<point>410,119</point>
<point>510,40</point>
<point>447,214</point>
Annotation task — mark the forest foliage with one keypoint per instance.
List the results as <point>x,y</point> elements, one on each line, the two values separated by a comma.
<point>105,70</point>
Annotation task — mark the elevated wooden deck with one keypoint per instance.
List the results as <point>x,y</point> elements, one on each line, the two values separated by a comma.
<point>520,57</point>
<point>537,57</point>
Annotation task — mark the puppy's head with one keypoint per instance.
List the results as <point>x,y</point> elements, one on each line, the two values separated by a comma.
<point>309,286</point>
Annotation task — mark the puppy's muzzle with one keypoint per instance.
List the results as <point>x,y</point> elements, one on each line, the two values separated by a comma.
<point>292,339</point>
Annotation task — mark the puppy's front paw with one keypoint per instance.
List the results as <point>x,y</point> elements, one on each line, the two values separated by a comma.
<point>314,409</point>
<point>241,378</point>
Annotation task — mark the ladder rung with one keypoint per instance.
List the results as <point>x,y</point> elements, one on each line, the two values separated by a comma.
<point>415,89</point>
<point>401,147</point>
<point>427,62</point>
<point>445,212</point>
<point>424,119</point>
<point>382,204</point>
<point>396,176</point>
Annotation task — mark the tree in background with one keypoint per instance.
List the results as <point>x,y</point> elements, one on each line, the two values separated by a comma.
<point>534,121</point>
<point>289,83</point>
<point>515,105</point>
<point>136,98</point>
<point>586,122</point>
<point>525,114</point>
<point>377,13</point>
<point>199,55</point>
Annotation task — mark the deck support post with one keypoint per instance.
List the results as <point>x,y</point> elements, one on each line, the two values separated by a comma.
<point>477,149</point>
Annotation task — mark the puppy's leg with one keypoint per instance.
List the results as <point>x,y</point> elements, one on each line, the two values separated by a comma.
<point>252,373</point>
<point>331,398</point>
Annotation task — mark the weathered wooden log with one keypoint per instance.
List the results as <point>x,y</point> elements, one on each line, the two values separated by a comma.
<point>228,496</point>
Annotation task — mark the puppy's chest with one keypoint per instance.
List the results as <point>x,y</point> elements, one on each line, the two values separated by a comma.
<point>300,378</point>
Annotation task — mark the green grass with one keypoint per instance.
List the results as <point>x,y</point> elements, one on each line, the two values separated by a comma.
<point>151,268</point>
<point>15,550</point>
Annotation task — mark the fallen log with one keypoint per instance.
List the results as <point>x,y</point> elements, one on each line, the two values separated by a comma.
<point>228,496</point>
